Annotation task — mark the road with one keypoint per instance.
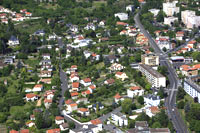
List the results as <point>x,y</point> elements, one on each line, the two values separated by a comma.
<point>171,99</point>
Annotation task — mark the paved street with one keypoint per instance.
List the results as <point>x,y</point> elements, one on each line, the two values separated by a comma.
<point>171,99</point>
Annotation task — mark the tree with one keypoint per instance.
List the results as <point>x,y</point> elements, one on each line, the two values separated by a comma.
<point>39,120</point>
<point>141,100</point>
<point>143,117</point>
<point>187,107</point>
<point>126,106</point>
<point>180,94</point>
<point>181,105</point>
<point>3,117</point>
<point>164,49</point>
<point>131,124</point>
<point>160,16</point>
<point>163,70</point>
<point>156,125</point>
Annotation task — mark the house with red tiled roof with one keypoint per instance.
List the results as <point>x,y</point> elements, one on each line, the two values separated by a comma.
<point>24,131</point>
<point>57,130</point>
<point>74,77</point>
<point>47,102</point>
<point>98,123</point>
<point>13,131</point>
<point>121,75</point>
<point>72,107</point>
<point>75,86</point>
<point>32,117</point>
<point>141,39</point>
<point>187,70</point>
<point>152,111</point>
<point>74,68</point>
<point>37,88</point>
<point>85,93</point>
<point>74,95</point>
<point>135,91</point>
<point>83,111</point>
<point>28,14</point>
<point>91,88</point>
<point>109,81</point>
<point>86,82</point>
<point>59,120</point>
<point>122,23</point>
<point>118,98</point>
<point>179,35</point>
<point>31,97</point>
<point>68,102</point>
<point>49,94</point>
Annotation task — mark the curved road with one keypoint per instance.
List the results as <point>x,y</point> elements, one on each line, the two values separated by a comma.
<point>170,101</point>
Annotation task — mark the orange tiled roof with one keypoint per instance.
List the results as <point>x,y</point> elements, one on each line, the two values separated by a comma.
<point>74,94</point>
<point>48,100</point>
<point>57,130</point>
<point>59,118</point>
<point>119,73</point>
<point>74,66</point>
<point>38,86</point>
<point>154,109</point>
<point>83,109</point>
<point>96,122</point>
<point>69,101</point>
<point>30,95</point>
<point>135,88</point>
<point>87,92</point>
<point>117,96</point>
<point>75,85</point>
<point>73,104</point>
<point>86,80</point>
<point>14,131</point>
<point>92,87</point>
<point>24,131</point>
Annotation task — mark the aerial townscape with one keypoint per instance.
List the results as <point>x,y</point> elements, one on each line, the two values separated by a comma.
<point>99,66</point>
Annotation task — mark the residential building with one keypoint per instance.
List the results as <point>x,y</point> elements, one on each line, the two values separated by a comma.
<point>90,26</point>
<point>72,107</point>
<point>45,74</point>
<point>179,35</point>
<point>37,88</point>
<point>122,23</point>
<point>31,97</point>
<point>187,70</point>
<point>75,86</point>
<point>83,111</point>
<point>64,127</point>
<point>152,111</point>
<point>170,20</point>
<point>116,67</point>
<point>47,102</point>
<point>163,42</point>
<point>97,123</point>
<point>192,88</point>
<point>13,41</point>
<point>122,16</point>
<point>74,95</point>
<point>130,8</point>
<point>154,12</point>
<point>170,8</point>
<point>155,78</point>
<point>86,82</point>
<point>121,75</point>
<point>109,81</point>
<point>91,88</point>
<point>152,100</point>
<point>46,56</point>
<point>99,105</point>
<point>118,98</point>
<point>30,124</point>
<point>141,39</point>
<point>59,120</point>
<point>143,127</point>
<point>135,91</point>
<point>57,130</point>
<point>150,59</point>
<point>190,19</point>
<point>119,119</point>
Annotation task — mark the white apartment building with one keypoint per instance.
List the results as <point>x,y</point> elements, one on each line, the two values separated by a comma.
<point>190,19</point>
<point>170,8</point>
<point>163,42</point>
<point>150,59</point>
<point>192,88</point>
<point>122,16</point>
<point>119,119</point>
<point>170,20</point>
<point>155,78</point>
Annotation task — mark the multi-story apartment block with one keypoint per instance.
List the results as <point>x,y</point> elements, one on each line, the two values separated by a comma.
<point>155,78</point>
<point>192,88</point>
<point>170,8</point>
<point>150,59</point>
<point>190,19</point>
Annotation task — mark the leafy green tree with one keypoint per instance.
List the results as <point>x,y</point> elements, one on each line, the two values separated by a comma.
<point>71,125</point>
<point>143,117</point>
<point>180,94</point>
<point>160,16</point>
<point>126,106</point>
<point>3,117</point>
<point>163,70</point>
<point>156,125</point>
<point>141,100</point>
<point>181,105</point>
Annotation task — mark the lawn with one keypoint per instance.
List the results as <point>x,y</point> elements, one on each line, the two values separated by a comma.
<point>49,6</point>
<point>32,62</point>
<point>29,26</point>
<point>97,4</point>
